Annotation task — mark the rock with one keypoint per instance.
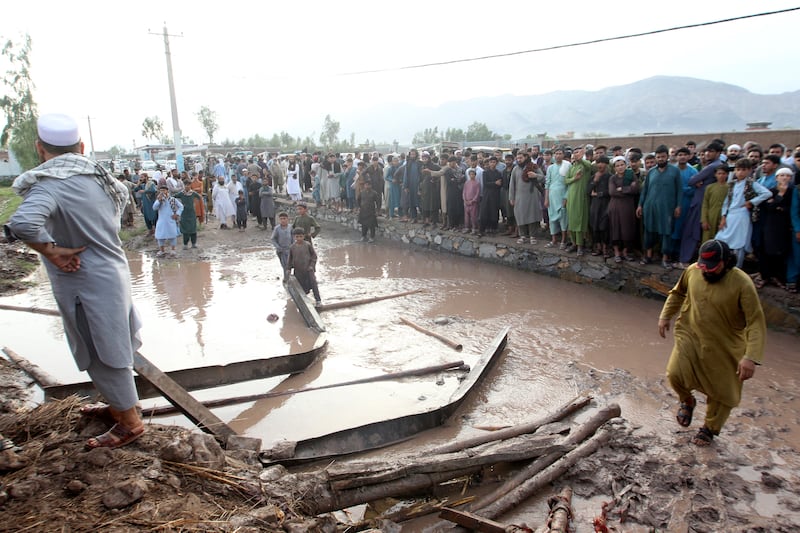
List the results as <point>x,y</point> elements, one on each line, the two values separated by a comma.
<point>124,493</point>
<point>245,458</point>
<point>173,481</point>
<point>549,260</point>
<point>487,250</point>
<point>270,514</point>
<point>100,456</point>
<point>25,488</point>
<point>502,252</point>
<point>272,473</point>
<point>467,248</point>
<point>437,240</point>
<point>771,481</point>
<point>75,486</point>
<point>441,320</point>
<point>154,470</point>
<point>11,460</point>
<point>239,442</point>
<point>282,450</point>
<point>177,451</point>
<point>206,451</point>
<point>321,524</point>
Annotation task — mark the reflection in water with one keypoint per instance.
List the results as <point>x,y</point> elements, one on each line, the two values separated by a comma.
<point>184,287</point>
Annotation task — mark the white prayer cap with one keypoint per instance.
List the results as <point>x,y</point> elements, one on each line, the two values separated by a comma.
<point>618,158</point>
<point>57,129</point>
<point>734,147</point>
<point>784,170</point>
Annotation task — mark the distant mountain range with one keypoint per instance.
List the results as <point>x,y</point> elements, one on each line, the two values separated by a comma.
<point>657,104</point>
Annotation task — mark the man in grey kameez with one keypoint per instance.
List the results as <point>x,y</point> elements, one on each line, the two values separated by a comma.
<point>71,216</point>
<point>525,197</point>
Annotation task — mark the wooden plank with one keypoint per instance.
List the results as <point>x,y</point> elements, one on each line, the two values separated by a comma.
<point>207,377</point>
<point>457,346</point>
<point>158,411</point>
<point>362,301</point>
<point>308,312</point>
<point>385,432</point>
<point>190,407</point>
<point>472,521</point>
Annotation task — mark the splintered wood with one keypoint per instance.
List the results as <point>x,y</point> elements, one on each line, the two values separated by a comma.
<point>540,445</point>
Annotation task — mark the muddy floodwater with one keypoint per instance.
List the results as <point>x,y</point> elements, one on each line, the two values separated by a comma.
<point>565,339</point>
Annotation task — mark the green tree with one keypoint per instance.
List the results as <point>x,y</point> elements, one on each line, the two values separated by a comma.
<point>153,128</point>
<point>427,136</point>
<point>478,131</point>
<point>454,134</point>
<point>208,119</point>
<point>19,131</point>
<point>330,132</point>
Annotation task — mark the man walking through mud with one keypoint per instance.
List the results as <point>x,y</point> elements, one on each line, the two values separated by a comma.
<point>719,337</point>
<point>70,215</point>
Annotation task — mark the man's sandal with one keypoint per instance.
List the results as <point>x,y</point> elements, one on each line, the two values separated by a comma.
<point>115,437</point>
<point>685,412</point>
<point>704,437</point>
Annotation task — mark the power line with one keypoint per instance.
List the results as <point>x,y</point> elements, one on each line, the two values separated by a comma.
<point>570,45</point>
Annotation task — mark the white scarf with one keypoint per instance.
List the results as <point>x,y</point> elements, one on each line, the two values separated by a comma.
<point>68,165</point>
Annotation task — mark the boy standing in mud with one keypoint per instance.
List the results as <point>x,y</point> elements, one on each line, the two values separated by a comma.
<point>303,259</point>
<point>719,337</point>
<point>306,222</point>
<point>282,241</point>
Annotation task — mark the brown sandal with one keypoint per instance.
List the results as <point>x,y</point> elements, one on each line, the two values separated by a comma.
<point>115,437</point>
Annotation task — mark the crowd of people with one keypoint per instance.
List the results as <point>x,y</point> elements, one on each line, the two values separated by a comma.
<point>621,204</point>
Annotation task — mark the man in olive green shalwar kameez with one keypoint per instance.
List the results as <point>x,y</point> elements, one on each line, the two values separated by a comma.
<point>577,180</point>
<point>719,336</point>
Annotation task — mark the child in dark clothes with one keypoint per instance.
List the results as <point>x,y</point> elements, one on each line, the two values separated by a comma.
<point>241,212</point>
<point>303,259</point>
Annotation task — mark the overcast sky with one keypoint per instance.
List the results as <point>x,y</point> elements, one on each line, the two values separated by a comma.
<point>271,66</point>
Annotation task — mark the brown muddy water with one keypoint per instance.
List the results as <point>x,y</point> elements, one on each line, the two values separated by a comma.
<point>565,339</point>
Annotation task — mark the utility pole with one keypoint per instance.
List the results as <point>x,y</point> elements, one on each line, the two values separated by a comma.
<point>176,129</point>
<point>91,138</point>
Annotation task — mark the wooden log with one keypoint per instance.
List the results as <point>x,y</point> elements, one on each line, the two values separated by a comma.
<point>167,409</point>
<point>42,378</point>
<point>530,427</point>
<point>453,344</point>
<point>362,301</point>
<point>560,511</point>
<point>474,522</point>
<point>34,310</point>
<point>526,447</point>
<point>576,437</point>
<point>400,487</point>
<point>524,491</point>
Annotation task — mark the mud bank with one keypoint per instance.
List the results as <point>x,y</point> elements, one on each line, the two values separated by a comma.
<point>782,309</point>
